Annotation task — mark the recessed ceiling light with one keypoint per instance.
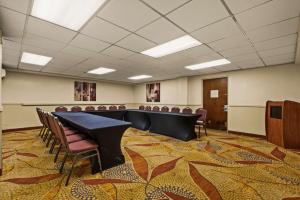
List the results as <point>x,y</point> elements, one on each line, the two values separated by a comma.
<point>173,46</point>
<point>67,13</point>
<point>208,64</point>
<point>101,70</point>
<point>35,59</point>
<point>139,77</point>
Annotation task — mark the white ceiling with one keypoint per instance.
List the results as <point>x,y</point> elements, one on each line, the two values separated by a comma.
<point>249,33</point>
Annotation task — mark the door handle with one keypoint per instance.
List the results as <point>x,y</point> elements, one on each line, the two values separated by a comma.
<point>225,108</point>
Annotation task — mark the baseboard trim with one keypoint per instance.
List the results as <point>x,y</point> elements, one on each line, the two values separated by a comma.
<point>248,134</point>
<point>20,129</point>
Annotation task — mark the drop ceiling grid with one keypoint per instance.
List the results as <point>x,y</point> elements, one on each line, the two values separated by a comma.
<point>159,15</point>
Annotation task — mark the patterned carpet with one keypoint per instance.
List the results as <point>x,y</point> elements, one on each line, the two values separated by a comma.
<point>218,166</point>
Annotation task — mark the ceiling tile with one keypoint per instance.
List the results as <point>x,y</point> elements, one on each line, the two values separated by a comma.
<point>229,67</point>
<point>11,45</point>
<point>280,59</point>
<point>278,51</point>
<point>131,15</point>
<point>48,30</point>
<point>41,42</point>
<point>237,5</point>
<point>216,31</point>
<point>238,51</point>
<point>275,30</point>
<point>198,51</point>
<point>17,5</point>
<point>37,50</point>
<point>109,32</point>
<point>250,56</point>
<point>117,52</point>
<point>11,52</point>
<point>230,42</point>
<point>50,69</point>
<point>160,31</point>
<point>9,60</point>
<point>197,14</point>
<point>277,42</point>
<point>78,51</point>
<point>88,43</point>
<point>66,59</point>
<point>250,63</point>
<point>30,67</point>
<point>135,43</point>
<point>12,23</point>
<point>165,6</point>
<point>269,13</point>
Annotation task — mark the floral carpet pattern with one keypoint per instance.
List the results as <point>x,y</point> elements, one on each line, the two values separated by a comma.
<point>217,166</point>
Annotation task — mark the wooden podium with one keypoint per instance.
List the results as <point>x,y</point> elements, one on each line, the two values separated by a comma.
<point>283,123</point>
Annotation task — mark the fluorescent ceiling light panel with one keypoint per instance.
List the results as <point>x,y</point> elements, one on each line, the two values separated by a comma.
<point>101,70</point>
<point>35,59</point>
<point>173,46</point>
<point>72,14</point>
<point>208,64</point>
<point>139,77</point>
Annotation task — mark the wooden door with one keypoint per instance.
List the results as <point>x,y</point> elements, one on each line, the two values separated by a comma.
<point>215,102</point>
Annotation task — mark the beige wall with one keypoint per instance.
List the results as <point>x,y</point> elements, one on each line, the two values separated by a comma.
<point>22,88</point>
<point>248,91</point>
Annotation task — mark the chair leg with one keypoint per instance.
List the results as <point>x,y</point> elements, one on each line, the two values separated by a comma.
<point>63,162</point>
<point>56,155</point>
<point>42,129</point>
<point>46,135</point>
<point>52,145</point>
<point>73,163</point>
<point>205,129</point>
<point>49,139</point>
<point>99,160</point>
<point>42,135</point>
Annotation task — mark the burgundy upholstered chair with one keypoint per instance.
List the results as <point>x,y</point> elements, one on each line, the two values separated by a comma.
<point>84,149</point>
<point>122,107</point>
<point>89,108</point>
<point>112,108</point>
<point>165,109</point>
<point>61,109</point>
<point>148,108</point>
<point>39,112</point>
<point>141,107</point>
<point>76,109</point>
<point>156,108</point>
<point>175,110</point>
<point>101,108</point>
<point>202,119</point>
<point>187,110</point>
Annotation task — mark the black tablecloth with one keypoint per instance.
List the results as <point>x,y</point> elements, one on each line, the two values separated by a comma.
<point>114,114</point>
<point>105,131</point>
<point>177,125</point>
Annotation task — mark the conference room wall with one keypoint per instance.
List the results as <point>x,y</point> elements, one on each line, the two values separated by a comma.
<point>248,91</point>
<point>23,92</point>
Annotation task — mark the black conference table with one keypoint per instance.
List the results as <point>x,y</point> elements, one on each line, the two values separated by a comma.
<point>177,125</point>
<point>105,131</point>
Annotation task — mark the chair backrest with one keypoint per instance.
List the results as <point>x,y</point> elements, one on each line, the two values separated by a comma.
<point>89,108</point>
<point>187,110</point>
<point>203,114</point>
<point>38,111</point>
<point>122,107</point>
<point>112,108</point>
<point>141,107</point>
<point>165,109</point>
<point>156,108</point>
<point>61,109</point>
<point>148,108</point>
<point>53,128</point>
<point>61,133</point>
<point>101,108</point>
<point>175,110</point>
<point>45,120</point>
<point>76,109</point>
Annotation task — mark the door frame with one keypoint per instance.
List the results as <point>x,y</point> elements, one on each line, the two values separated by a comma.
<point>202,96</point>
